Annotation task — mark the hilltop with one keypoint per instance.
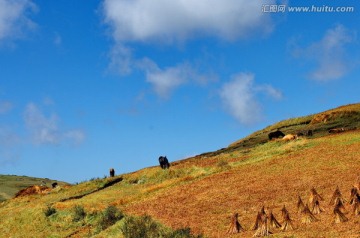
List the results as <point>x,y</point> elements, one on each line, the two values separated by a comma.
<point>204,191</point>
<point>347,117</point>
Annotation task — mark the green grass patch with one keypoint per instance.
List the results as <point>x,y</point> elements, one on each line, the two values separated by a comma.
<point>146,227</point>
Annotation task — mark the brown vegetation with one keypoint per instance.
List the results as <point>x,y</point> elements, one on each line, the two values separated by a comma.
<point>300,205</point>
<point>273,221</point>
<point>356,206</point>
<point>235,226</point>
<point>353,195</point>
<point>288,222</point>
<point>314,202</point>
<point>308,216</point>
<point>337,197</point>
<point>318,165</point>
<point>330,115</point>
<point>262,225</point>
<point>339,215</point>
<point>35,189</point>
<point>270,174</point>
<point>355,201</point>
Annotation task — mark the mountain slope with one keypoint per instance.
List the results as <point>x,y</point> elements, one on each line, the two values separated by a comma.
<point>347,117</point>
<point>204,191</point>
<point>11,184</point>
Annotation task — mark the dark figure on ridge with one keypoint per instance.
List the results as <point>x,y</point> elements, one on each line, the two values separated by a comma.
<point>276,134</point>
<point>112,172</point>
<point>164,163</point>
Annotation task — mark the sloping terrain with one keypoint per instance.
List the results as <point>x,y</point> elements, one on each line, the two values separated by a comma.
<point>204,191</point>
<point>11,184</point>
<point>271,175</point>
<point>346,117</point>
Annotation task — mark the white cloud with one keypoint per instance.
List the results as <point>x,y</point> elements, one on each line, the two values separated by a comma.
<point>143,20</point>
<point>270,90</point>
<point>5,106</point>
<point>172,22</point>
<point>329,54</point>
<point>45,130</point>
<point>239,98</point>
<point>13,17</point>
<point>121,59</point>
<point>164,81</point>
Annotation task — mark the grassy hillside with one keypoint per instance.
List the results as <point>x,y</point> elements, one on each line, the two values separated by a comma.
<point>203,192</point>
<point>11,184</point>
<point>347,117</point>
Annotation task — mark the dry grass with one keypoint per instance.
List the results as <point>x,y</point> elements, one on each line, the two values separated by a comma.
<point>272,182</point>
<point>203,193</point>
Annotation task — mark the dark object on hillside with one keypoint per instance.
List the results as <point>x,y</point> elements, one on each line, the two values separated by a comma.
<point>54,185</point>
<point>337,197</point>
<point>287,223</point>
<point>308,216</point>
<point>339,203</point>
<point>109,182</point>
<point>112,172</point>
<point>261,224</point>
<point>316,209</point>
<point>300,205</point>
<point>356,205</point>
<point>164,163</point>
<point>258,219</point>
<point>235,226</point>
<point>309,133</point>
<point>339,216</point>
<point>275,134</point>
<point>314,196</point>
<point>314,202</point>
<point>257,222</point>
<point>273,222</point>
<point>355,201</point>
<point>353,195</point>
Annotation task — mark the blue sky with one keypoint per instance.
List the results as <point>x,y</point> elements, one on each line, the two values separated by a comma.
<point>90,85</point>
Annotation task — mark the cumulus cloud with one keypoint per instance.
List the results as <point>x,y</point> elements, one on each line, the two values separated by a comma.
<point>147,22</point>
<point>14,17</point>
<point>239,97</point>
<point>329,54</point>
<point>164,81</point>
<point>144,20</point>
<point>45,130</point>
<point>269,90</point>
